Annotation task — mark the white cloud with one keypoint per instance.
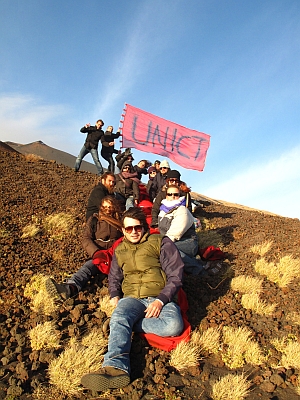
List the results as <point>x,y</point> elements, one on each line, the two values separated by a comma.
<point>24,119</point>
<point>273,186</point>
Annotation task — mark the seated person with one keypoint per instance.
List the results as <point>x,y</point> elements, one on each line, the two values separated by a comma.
<point>150,189</point>
<point>104,187</point>
<point>108,147</point>
<point>100,233</point>
<point>173,178</point>
<point>141,168</point>
<point>145,275</point>
<point>122,157</point>
<point>160,179</point>
<point>127,186</point>
<point>177,222</point>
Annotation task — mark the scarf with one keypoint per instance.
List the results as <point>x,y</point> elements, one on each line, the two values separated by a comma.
<point>169,205</point>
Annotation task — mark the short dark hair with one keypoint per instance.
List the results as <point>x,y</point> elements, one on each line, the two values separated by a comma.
<point>106,174</point>
<point>136,213</point>
<point>100,120</point>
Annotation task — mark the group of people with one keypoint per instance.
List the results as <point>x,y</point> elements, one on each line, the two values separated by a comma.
<point>145,271</point>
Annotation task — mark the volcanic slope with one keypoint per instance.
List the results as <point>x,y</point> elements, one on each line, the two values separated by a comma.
<point>255,244</point>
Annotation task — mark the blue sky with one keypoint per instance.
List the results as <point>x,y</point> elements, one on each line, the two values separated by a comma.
<point>226,68</point>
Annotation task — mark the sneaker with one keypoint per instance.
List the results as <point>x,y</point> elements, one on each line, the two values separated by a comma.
<point>56,290</point>
<point>104,379</point>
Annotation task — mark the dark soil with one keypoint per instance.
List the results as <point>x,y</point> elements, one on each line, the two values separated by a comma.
<point>40,188</point>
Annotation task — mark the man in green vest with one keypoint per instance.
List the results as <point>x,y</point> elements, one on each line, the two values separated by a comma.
<point>145,275</point>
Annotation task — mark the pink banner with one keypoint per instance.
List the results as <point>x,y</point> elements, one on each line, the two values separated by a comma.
<point>147,132</point>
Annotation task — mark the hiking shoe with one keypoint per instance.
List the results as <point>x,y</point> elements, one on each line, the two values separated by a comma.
<point>104,379</point>
<point>55,290</point>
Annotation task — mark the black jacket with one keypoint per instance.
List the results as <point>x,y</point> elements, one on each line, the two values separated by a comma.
<point>106,139</point>
<point>93,136</point>
<point>97,194</point>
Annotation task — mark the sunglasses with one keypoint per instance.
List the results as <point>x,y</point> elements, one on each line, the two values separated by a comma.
<point>125,168</point>
<point>173,180</point>
<point>136,228</point>
<point>173,194</point>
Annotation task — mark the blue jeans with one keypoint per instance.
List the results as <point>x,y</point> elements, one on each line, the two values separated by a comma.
<point>83,152</point>
<point>83,275</point>
<point>128,317</point>
<point>188,248</point>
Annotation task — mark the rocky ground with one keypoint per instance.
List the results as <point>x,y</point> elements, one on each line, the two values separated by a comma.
<point>33,189</point>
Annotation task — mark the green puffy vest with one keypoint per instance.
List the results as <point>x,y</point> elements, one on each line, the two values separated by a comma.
<point>143,275</point>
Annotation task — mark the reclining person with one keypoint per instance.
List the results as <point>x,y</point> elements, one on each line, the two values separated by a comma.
<point>177,222</point>
<point>101,232</point>
<point>145,275</point>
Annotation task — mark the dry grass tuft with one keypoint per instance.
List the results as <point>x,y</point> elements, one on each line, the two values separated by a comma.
<point>283,273</point>
<point>43,392</point>
<point>33,157</point>
<point>206,224</point>
<point>95,337</point>
<point>209,238</point>
<point>261,249</point>
<point>58,225</point>
<point>65,372</point>
<point>106,306</point>
<point>252,302</point>
<point>184,356</point>
<point>290,349</point>
<point>293,317</point>
<point>231,387</point>
<point>30,231</point>
<point>208,340</point>
<point>4,233</point>
<point>44,336</point>
<point>41,302</point>
<point>246,284</point>
<point>239,348</point>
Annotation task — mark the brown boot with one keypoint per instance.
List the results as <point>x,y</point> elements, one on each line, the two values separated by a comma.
<point>105,378</point>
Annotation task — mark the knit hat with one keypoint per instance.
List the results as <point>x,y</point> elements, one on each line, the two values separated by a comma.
<point>151,169</point>
<point>173,174</point>
<point>165,164</point>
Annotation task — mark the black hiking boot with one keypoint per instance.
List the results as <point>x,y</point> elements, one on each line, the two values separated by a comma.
<point>61,291</point>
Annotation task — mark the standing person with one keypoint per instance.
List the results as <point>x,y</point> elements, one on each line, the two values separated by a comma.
<point>103,188</point>
<point>145,275</point>
<point>102,230</point>
<point>177,222</point>
<point>94,134</point>
<point>127,186</point>
<point>108,149</point>
<point>161,176</point>
<point>173,178</point>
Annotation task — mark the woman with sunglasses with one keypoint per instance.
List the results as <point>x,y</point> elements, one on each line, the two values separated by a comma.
<point>177,222</point>
<point>102,231</point>
<point>173,178</point>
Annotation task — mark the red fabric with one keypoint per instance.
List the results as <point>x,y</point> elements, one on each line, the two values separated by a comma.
<point>147,132</point>
<point>102,258</point>
<point>170,342</point>
<point>211,253</point>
